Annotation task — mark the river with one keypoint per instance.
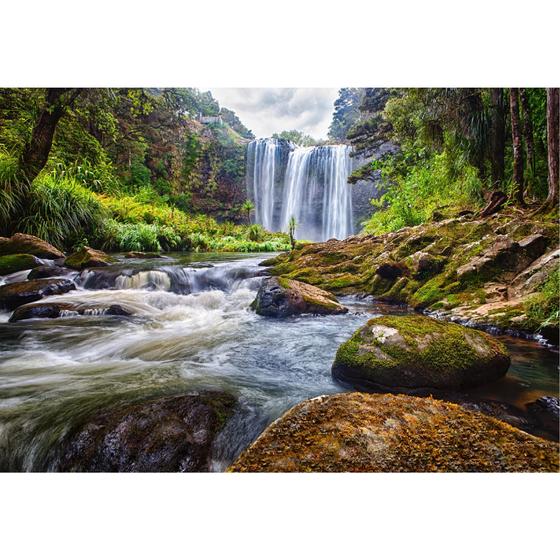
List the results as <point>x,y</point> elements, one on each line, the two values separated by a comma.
<point>192,329</point>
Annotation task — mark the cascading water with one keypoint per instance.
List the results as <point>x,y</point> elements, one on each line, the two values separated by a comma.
<point>309,184</point>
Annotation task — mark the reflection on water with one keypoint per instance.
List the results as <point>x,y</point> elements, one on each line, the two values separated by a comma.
<point>192,328</point>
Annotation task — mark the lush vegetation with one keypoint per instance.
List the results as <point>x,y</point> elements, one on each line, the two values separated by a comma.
<point>126,169</point>
<point>452,150</point>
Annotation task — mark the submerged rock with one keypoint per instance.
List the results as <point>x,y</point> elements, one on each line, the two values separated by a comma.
<point>48,272</point>
<point>15,263</point>
<point>87,257</point>
<point>282,297</point>
<point>546,412</point>
<point>142,255</point>
<point>169,434</point>
<point>20,293</point>
<point>55,309</point>
<point>357,432</point>
<point>416,352</point>
<point>30,245</point>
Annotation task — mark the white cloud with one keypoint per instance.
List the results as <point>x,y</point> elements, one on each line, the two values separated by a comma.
<point>269,110</point>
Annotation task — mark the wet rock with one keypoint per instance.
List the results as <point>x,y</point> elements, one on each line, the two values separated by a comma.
<point>357,432</point>
<point>20,293</point>
<point>44,271</point>
<point>15,263</point>
<point>282,297</point>
<point>30,245</point>
<point>87,257</point>
<point>55,309</point>
<point>403,353</point>
<point>546,412</point>
<point>169,434</point>
<point>425,265</point>
<point>142,255</point>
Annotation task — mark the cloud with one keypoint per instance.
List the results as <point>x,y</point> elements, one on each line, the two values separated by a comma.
<point>269,110</point>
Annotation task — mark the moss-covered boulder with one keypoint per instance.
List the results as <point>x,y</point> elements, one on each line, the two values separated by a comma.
<point>30,245</point>
<point>400,353</point>
<point>357,432</point>
<point>19,293</point>
<point>282,297</point>
<point>44,271</point>
<point>168,434</point>
<point>15,263</point>
<point>87,257</point>
<point>142,255</point>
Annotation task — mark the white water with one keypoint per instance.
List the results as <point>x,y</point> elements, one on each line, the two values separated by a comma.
<point>312,188</point>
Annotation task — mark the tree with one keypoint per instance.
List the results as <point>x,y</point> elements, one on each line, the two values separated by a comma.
<point>528,134</point>
<point>553,144</point>
<point>292,231</point>
<point>346,112</point>
<point>36,151</point>
<point>516,142</point>
<point>248,207</point>
<point>297,137</point>
<point>497,136</point>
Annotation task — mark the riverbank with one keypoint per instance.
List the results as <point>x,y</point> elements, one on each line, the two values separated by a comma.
<point>498,273</point>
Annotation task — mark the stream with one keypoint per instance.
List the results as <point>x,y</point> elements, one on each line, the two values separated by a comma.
<point>192,329</point>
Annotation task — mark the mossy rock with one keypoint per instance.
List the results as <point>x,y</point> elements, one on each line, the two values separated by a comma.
<point>357,432</point>
<point>19,293</point>
<point>168,434</point>
<point>87,257</point>
<point>282,297</point>
<point>15,263</point>
<point>23,243</point>
<point>416,352</point>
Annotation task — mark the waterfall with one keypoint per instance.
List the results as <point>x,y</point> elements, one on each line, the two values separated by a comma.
<point>309,184</point>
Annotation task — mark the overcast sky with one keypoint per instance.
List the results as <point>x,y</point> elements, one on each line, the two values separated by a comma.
<point>269,110</point>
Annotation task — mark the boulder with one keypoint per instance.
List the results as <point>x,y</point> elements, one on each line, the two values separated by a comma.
<point>168,434</point>
<point>44,271</point>
<point>504,259</point>
<point>282,297</point>
<point>55,309</point>
<point>20,293</point>
<point>87,257</point>
<point>142,255</point>
<point>425,265</point>
<point>546,412</point>
<point>357,432</point>
<point>413,352</point>
<point>30,245</point>
<point>15,263</point>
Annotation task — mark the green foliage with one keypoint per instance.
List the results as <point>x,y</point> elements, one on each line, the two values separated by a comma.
<point>543,308</point>
<point>297,137</point>
<point>346,112</point>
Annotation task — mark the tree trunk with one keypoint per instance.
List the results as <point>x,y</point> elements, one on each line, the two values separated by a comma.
<point>36,152</point>
<point>498,137</point>
<point>528,135</point>
<point>553,143</point>
<point>517,151</point>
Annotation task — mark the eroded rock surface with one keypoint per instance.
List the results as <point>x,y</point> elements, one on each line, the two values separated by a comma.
<point>19,293</point>
<point>30,245</point>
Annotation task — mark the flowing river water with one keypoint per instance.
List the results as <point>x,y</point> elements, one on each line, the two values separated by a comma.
<point>192,329</point>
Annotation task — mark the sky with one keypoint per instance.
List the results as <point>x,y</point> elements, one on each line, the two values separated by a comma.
<point>269,110</point>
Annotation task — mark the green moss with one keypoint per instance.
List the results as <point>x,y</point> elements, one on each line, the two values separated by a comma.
<point>15,263</point>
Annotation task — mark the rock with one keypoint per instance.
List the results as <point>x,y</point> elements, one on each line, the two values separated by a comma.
<point>15,263</point>
<point>532,277</point>
<point>141,255</point>
<point>357,432</point>
<point>20,293</point>
<point>405,353</point>
<point>271,261</point>
<point>390,270</point>
<point>282,297</point>
<point>30,245</point>
<point>169,434</point>
<point>44,271</point>
<point>87,257</point>
<point>504,259</point>
<point>425,265</point>
<point>546,412</point>
<point>55,309</point>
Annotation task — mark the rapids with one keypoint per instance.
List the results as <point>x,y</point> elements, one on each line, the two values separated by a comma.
<point>191,329</point>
